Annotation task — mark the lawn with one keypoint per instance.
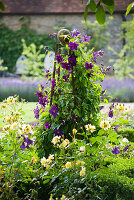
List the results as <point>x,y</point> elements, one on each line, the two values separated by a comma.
<point>28,110</point>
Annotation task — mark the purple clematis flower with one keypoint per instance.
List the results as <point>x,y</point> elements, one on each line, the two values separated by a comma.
<point>72,59</point>
<point>101,53</point>
<point>91,73</point>
<point>39,94</point>
<point>66,78</point>
<point>36,112</point>
<point>26,143</point>
<point>53,36</point>
<point>115,150</point>
<point>53,111</point>
<point>115,128</point>
<point>85,38</point>
<point>47,125</point>
<point>43,101</point>
<point>88,65</point>
<point>59,58</point>
<point>110,113</point>
<point>66,66</point>
<point>73,46</point>
<point>58,132</point>
<point>126,148</point>
<point>73,116</point>
<point>75,33</point>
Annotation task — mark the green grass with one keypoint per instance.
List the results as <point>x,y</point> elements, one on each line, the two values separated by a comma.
<point>28,110</point>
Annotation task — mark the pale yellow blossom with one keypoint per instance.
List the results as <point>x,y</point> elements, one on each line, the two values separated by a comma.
<point>44,161</point>
<point>27,128</point>
<point>56,139</point>
<point>105,125</point>
<point>68,165</point>
<point>10,99</point>
<point>14,126</point>
<point>90,128</point>
<point>83,171</point>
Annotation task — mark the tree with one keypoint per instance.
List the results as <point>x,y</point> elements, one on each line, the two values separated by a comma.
<point>99,9</point>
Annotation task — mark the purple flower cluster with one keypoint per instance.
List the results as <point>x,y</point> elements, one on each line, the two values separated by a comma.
<point>54,110</point>
<point>66,66</point>
<point>47,125</point>
<point>85,38</point>
<point>72,59</point>
<point>26,143</point>
<point>115,150</point>
<point>88,65</point>
<point>43,101</point>
<point>97,54</point>
<point>59,58</point>
<point>53,83</point>
<point>126,148</point>
<point>36,112</point>
<point>39,94</point>
<point>73,46</point>
<point>75,33</point>
<point>66,77</point>
<point>110,113</point>
<point>58,132</point>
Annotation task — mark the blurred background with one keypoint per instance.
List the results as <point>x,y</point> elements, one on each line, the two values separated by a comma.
<point>25,27</point>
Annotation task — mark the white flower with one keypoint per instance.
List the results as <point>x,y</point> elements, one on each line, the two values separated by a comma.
<point>56,139</point>
<point>14,126</point>
<point>125,140</point>
<point>90,128</point>
<point>82,148</point>
<point>10,99</point>
<point>50,158</point>
<point>44,161</point>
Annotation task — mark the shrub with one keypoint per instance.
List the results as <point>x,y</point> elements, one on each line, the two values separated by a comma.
<point>11,46</point>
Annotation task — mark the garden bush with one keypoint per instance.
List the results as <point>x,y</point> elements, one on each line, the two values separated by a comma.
<point>73,152</point>
<point>11,46</point>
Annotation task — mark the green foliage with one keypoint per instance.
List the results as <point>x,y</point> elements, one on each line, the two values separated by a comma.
<point>130,6</point>
<point>2,7</point>
<point>79,96</point>
<point>34,60</point>
<point>98,33</point>
<point>15,162</point>
<point>124,63</point>
<point>11,46</point>
<point>99,9</point>
<point>126,132</point>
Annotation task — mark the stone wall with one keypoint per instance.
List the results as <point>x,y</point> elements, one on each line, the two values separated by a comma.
<point>45,24</point>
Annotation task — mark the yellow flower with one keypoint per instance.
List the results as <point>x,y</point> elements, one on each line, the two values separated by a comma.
<point>5,128</point>
<point>44,161</point>
<point>105,125</point>
<point>120,108</point>
<point>80,162</point>
<point>68,165</point>
<point>82,148</point>
<point>10,99</point>
<point>27,128</point>
<point>74,131</point>
<point>83,171</point>
<point>3,105</point>
<point>56,139</point>
<point>8,119</point>
<point>90,128</point>
<point>67,141</point>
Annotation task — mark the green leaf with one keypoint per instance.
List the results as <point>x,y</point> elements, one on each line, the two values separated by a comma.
<point>129,8</point>
<point>100,15</point>
<point>92,5</point>
<point>108,2</point>
<point>2,7</point>
<point>86,12</point>
<point>110,9</point>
